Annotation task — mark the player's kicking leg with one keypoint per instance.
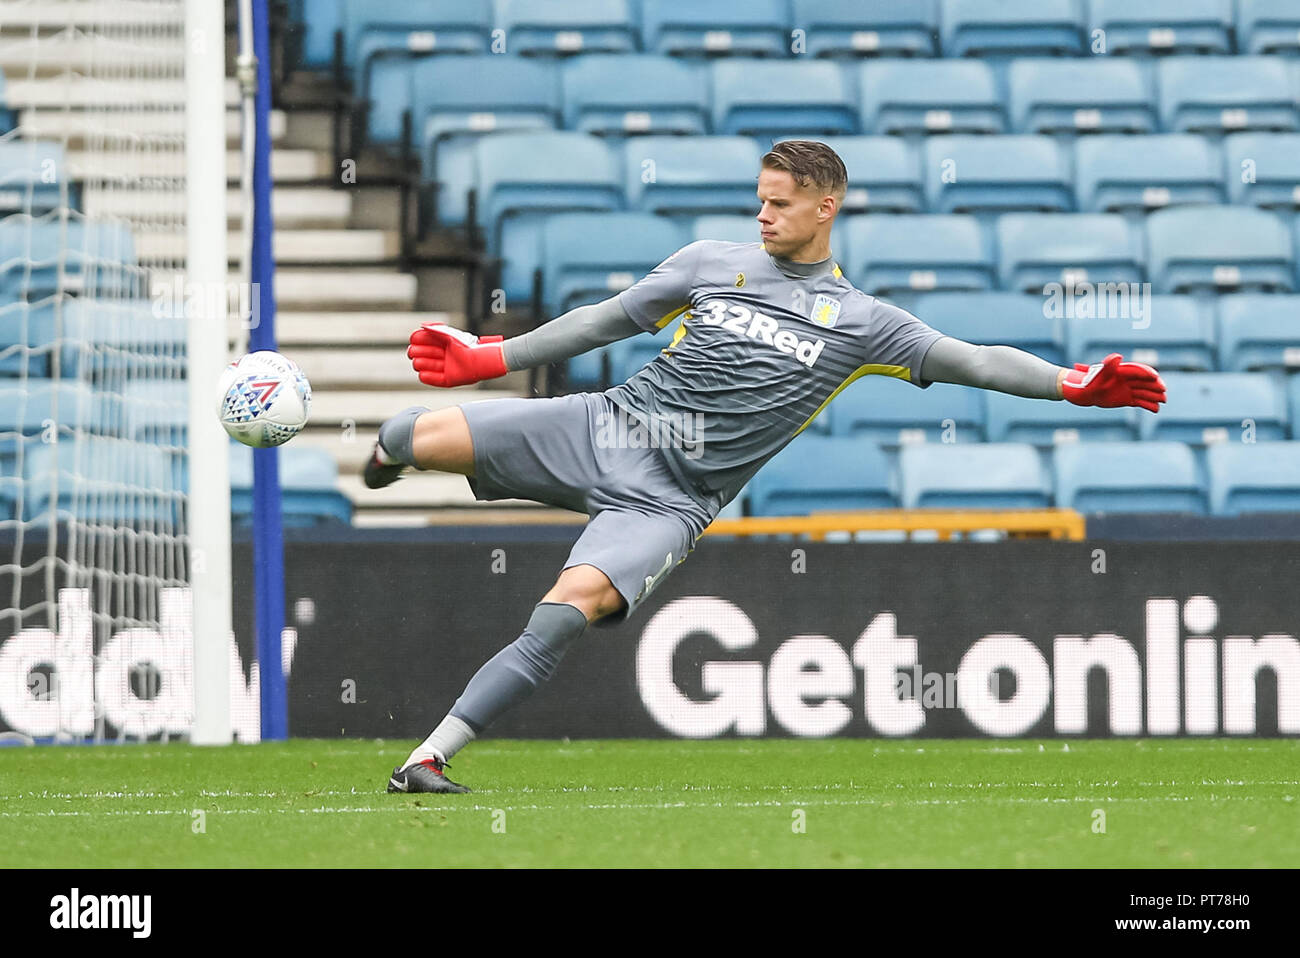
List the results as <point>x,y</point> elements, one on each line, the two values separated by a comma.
<point>581,595</point>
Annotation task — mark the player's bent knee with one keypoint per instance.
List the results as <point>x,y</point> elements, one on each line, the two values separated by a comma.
<point>588,589</point>
<point>442,441</point>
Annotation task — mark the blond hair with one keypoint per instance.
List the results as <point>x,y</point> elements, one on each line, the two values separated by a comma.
<point>811,164</point>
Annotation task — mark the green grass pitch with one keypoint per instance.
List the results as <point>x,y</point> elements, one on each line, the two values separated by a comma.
<point>843,802</point>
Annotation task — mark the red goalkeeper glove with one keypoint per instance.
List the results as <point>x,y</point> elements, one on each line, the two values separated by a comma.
<point>1113,382</point>
<point>445,356</point>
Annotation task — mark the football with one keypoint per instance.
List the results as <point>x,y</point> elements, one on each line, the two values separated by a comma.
<point>263,399</point>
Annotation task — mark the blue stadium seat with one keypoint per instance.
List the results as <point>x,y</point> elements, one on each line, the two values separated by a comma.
<point>1204,408</point>
<point>594,369</point>
<point>1253,477</point>
<point>42,256</point>
<point>410,28</point>
<point>1259,331</point>
<point>992,319</point>
<point>730,227</point>
<point>796,97</point>
<point>884,174</point>
<point>457,96</point>
<point>320,20</point>
<point>589,257</point>
<point>1268,26</point>
<point>1163,26</point>
<point>929,96</point>
<point>1083,96</point>
<point>6,115</point>
<point>1295,246</point>
<point>835,28</point>
<point>103,341</point>
<point>156,412</point>
<point>917,253</point>
<point>28,409</point>
<point>1138,173</point>
<point>636,352</point>
<point>691,175</point>
<point>609,365</point>
<point>635,93</point>
<point>100,479</point>
<point>893,413</point>
<point>1038,249</point>
<point>991,28</point>
<point>309,494</point>
<point>1206,247</point>
<point>993,475</point>
<point>993,174</point>
<point>823,473</point>
<point>1168,332</point>
<point>705,27</point>
<point>538,27</point>
<point>523,177</point>
<point>27,338</point>
<point>32,176</point>
<point>1096,477</point>
<point>1047,423</point>
<point>1292,389</point>
<point>458,100</point>
<point>1264,169</point>
<point>1226,94</point>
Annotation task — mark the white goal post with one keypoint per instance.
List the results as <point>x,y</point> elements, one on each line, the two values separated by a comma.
<point>115,563</point>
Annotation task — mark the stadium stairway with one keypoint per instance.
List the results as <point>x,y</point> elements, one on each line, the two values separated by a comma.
<point>345,306</point>
<point>345,311</point>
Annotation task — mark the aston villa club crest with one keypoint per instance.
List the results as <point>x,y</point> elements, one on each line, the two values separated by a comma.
<point>825,310</point>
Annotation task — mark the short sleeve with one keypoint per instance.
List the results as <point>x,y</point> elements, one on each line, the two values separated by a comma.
<point>898,339</point>
<point>664,293</point>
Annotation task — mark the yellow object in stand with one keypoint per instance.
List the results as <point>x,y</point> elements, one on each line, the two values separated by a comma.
<point>1018,524</point>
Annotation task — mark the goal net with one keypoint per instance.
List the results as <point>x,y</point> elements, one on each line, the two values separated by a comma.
<point>95,567</point>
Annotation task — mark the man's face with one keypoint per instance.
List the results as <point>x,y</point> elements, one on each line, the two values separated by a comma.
<point>788,214</point>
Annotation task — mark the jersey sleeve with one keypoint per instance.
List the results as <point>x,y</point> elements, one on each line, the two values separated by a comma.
<point>899,340</point>
<point>664,293</point>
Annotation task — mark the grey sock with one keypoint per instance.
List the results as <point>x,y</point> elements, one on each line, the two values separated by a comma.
<point>397,435</point>
<point>516,671</point>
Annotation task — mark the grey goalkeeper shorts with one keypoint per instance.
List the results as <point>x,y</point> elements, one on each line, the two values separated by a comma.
<point>556,451</point>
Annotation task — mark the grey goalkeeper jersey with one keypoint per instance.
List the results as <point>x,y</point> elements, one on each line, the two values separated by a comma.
<point>759,352</point>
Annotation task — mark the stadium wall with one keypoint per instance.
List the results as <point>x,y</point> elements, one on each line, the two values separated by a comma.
<point>789,639</point>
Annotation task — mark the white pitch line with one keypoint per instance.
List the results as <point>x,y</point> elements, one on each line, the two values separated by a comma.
<point>664,806</point>
<point>617,789</point>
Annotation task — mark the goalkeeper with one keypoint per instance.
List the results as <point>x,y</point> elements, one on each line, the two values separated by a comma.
<point>770,333</point>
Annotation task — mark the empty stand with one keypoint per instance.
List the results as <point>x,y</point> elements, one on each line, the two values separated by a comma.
<point>994,174</point>
<point>1138,173</point>
<point>994,475</point>
<point>1168,332</point>
<point>1128,477</point>
<point>1205,408</point>
<point>843,28</point>
<point>919,253</point>
<point>1052,95</point>
<point>1163,26</point>
<point>1038,249</point>
<point>929,96</point>
<point>1194,248</point>
<point>820,473</point>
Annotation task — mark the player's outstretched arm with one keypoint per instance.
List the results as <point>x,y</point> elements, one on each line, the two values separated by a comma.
<point>445,356</point>
<point>1110,383</point>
